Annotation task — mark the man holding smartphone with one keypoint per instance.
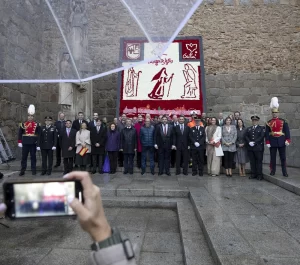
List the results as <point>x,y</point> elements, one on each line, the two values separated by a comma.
<point>110,246</point>
<point>47,142</point>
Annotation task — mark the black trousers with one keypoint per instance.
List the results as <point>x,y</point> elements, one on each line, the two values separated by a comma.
<point>68,164</point>
<point>164,154</point>
<point>198,160</point>
<point>256,158</point>
<point>282,155</point>
<point>113,158</point>
<point>128,163</point>
<point>58,154</point>
<point>173,158</point>
<point>47,155</point>
<point>28,148</point>
<point>97,160</point>
<point>121,159</point>
<point>182,158</point>
<point>228,159</point>
<point>139,159</point>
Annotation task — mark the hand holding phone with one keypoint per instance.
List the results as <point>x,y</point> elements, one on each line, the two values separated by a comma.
<point>90,214</point>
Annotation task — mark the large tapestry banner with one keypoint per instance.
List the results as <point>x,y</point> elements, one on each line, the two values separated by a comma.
<point>171,84</point>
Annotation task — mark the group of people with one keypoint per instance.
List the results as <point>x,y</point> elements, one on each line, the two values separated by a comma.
<point>167,140</point>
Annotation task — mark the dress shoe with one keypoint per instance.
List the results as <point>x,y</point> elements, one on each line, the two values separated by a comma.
<point>159,174</point>
<point>65,172</point>
<point>186,174</point>
<point>1,175</point>
<point>252,177</point>
<point>57,165</point>
<point>22,173</point>
<point>168,174</point>
<point>285,175</point>
<point>43,173</point>
<point>143,171</point>
<point>125,172</point>
<point>93,172</point>
<point>152,171</point>
<point>48,173</point>
<point>178,173</point>
<point>200,174</point>
<point>101,172</point>
<point>34,173</point>
<point>259,177</point>
<point>272,173</point>
<point>194,174</point>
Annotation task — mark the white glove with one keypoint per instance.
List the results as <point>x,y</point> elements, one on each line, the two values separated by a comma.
<point>38,148</point>
<point>20,145</point>
<point>197,144</point>
<point>155,146</point>
<point>53,148</point>
<point>268,145</point>
<point>251,143</point>
<point>189,147</point>
<point>173,147</point>
<point>287,143</point>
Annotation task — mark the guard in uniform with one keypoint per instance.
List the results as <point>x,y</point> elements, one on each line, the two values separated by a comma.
<point>27,140</point>
<point>254,137</point>
<point>277,137</point>
<point>197,140</point>
<point>47,142</point>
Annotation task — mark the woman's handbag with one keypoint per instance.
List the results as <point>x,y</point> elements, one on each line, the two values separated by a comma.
<point>106,165</point>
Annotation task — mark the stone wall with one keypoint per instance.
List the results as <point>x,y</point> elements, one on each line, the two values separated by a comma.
<point>14,102</point>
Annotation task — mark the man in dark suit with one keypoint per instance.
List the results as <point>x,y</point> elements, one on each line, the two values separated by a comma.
<point>237,115</point>
<point>67,141</point>
<point>164,143</point>
<point>128,143</point>
<point>92,124</point>
<point>47,142</point>
<point>197,139</point>
<point>174,123</point>
<point>182,144</point>
<point>221,120</point>
<point>77,123</point>
<point>60,125</point>
<point>255,141</point>
<point>98,142</point>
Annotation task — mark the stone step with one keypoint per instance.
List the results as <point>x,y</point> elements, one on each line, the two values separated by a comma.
<point>225,242</point>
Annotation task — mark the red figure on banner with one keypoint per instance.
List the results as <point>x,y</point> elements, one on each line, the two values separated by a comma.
<point>132,83</point>
<point>162,80</point>
<point>191,85</point>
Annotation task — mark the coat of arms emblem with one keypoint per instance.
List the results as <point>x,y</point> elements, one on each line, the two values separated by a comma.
<point>133,51</point>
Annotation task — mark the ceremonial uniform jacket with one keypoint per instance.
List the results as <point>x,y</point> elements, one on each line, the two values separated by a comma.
<point>256,136</point>
<point>277,132</point>
<point>47,137</point>
<point>28,132</point>
<point>197,136</point>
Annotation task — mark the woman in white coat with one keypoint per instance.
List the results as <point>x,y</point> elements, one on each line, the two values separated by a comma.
<point>83,140</point>
<point>214,150</point>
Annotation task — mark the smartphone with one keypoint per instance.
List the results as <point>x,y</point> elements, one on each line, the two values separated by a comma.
<point>40,198</point>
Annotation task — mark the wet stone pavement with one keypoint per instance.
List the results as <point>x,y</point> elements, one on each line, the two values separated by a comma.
<point>174,220</point>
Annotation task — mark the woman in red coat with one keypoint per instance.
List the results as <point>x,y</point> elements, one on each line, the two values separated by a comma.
<point>138,127</point>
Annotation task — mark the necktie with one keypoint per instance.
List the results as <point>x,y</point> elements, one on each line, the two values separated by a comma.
<point>197,128</point>
<point>80,121</point>
<point>253,127</point>
<point>181,129</point>
<point>98,128</point>
<point>68,132</point>
<point>165,129</point>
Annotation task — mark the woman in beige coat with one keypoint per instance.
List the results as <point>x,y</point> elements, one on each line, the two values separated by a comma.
<point>214,150</point>
<point>83,140</point>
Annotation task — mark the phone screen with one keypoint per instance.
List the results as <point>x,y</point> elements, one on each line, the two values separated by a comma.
<point>43,199</point>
